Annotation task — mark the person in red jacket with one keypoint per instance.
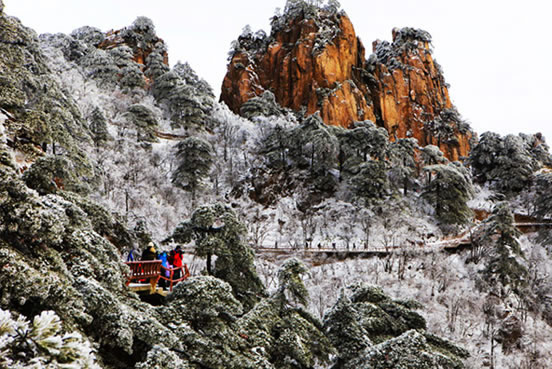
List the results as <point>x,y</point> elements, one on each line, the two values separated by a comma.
<point>177,262</point>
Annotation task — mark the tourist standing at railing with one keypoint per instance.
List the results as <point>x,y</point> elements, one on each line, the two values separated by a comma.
<point>149,253</point>
<point>165,272</point>
<point>132,255</point>
<point>177,262</point>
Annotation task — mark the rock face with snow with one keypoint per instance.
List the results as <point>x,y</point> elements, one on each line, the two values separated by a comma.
<point>142,46</point>
<point>302,72</point>
<point>313,61</point>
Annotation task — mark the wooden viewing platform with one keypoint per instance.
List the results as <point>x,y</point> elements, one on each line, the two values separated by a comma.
<point>148,273</point>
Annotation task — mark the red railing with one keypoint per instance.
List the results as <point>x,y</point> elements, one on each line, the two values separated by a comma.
<point>153,271</point>
<point>184,273</point>
<point>148,270</point>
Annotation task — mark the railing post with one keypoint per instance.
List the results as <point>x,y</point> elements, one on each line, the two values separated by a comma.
<point>171,284</point>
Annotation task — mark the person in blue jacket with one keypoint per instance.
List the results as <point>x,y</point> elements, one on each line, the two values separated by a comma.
<point>165,263</point>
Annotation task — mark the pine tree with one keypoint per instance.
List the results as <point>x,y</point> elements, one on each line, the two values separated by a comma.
<point>507,163</point>
<point>187,106</point>
<point>101,66</point>
<point>155,64</point>
<point>50,174</point>
<point>371,183</point>
<point>264,105</point>
<point>515,165</point>
<point>291,286</point>
<point>144,120</point>
<point>403,162</point>
<point>343,327</point>
<point>194,161</point>
<point>362,151</point>
<point>217,231</point>
<point>543,205</point>
<point>432,155</point>
<point>370,330</point>
<point>444,126</point>
<point>185,71</point>
<point>448,192</point>
<point>500,234</point>
<point>91,36</point>
<point>283,328</point>
<point>98,127</point>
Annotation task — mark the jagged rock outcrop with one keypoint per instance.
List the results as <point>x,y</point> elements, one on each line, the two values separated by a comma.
<point>302,70</point>
<point>314,61</point>
<point>141,48</point>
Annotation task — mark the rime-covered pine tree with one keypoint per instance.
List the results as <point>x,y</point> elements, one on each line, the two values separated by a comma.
<point>217,231</point>
<point>448,191</point>
<point>194,158</point>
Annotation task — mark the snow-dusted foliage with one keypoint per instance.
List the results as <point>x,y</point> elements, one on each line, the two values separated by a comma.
<point>42,344</point>
<point>324,14</point>
<point>443,127</point>
<point>218,232</point>
<point>449,189</point>
<point>409,39</point>
<point>374,331</point>
<point>264,105</point>
<point>543,204</point>
<point>454,306</point>
<point>194,161</point>
<point>508,163</point>
<point>107,150</point>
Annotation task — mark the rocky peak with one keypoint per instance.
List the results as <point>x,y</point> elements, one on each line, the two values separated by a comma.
<point>308,63</point>
<point>410,95</point>
<point>141,38</point>
<point>313,61</point>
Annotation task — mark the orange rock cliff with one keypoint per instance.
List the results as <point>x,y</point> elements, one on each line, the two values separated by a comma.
<point>317,63</point>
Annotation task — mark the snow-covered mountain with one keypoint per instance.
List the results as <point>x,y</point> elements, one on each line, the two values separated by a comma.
<point>310,245</point>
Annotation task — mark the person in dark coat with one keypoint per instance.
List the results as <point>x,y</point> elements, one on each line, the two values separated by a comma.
<point>149,253</point>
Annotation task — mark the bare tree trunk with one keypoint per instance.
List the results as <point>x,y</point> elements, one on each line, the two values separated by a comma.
<point>209,260</point>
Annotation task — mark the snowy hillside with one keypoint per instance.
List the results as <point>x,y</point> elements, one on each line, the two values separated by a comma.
<point>310,246</point>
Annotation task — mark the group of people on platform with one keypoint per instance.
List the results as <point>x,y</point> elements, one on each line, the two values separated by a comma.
<point>171,260</point>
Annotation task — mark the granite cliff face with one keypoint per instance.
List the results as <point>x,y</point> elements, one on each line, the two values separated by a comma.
<point>315,62</point>
<point>302,73</point>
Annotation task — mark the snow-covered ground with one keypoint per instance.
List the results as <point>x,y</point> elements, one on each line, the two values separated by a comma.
<point>447,286</point>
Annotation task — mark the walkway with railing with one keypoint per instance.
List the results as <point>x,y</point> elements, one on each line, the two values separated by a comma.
<point>148,274</point>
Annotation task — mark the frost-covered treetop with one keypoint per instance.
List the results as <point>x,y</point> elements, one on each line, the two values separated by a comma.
<point>318,10</point>
<point>141,30</point>
<point>143,25</point>
<point>325,15</point>
<point>404,39</point>
<point>402,35</point>
<point>289,277</point>
<point>91,36</point>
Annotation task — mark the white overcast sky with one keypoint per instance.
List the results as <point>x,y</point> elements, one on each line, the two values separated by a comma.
<point>495,54</point>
